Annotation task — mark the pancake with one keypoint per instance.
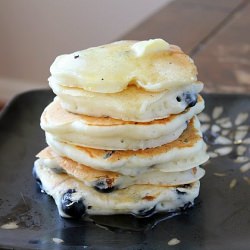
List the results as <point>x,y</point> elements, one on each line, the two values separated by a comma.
<point>112,134</point>
<point>74,199</point>
<point>122,132</point>
<point>113,67</point>
<point>131,104</point>
<point>187,151</point>
<point>107,181</point>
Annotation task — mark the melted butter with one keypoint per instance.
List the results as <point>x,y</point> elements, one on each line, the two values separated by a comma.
<point>152,45</point>
<point>153,65</point>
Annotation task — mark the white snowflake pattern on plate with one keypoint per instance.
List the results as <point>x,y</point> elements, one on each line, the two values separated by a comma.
<point>225,136</point>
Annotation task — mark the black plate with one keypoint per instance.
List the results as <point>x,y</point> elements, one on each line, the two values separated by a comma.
<point>219,220</point>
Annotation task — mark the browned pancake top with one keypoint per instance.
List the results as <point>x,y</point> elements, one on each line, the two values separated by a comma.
<point>57,115</point>
<point>76,169</point>
<point>188,138</point>
<point>83,172</point>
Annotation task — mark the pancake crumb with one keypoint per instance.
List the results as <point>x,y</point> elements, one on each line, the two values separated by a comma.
<point>194,170</point>
<point>57,240</point>
<point>233,183</point>
<point>245,167</point>
<point>247,179</point>
<point>174,242</point>
<point>220,174</point>
<point>10,225</point>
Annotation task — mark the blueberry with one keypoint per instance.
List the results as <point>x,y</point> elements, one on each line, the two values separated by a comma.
<point>180,192</point>
<point>58,170</point>
<point>146,212</point>
<point>178,99</point>
<point>72,208</point>
<point>185,186</point>
<point>210,137</point>
<point>104,185</point>
<point>38,181</point>
<point>190,99</point>
<point>182,186</point>
<point>186,206</point>
<point>104,190</point>
<point>108,154</point>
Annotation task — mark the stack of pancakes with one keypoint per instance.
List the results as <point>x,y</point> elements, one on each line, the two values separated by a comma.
<point>122,132</point>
